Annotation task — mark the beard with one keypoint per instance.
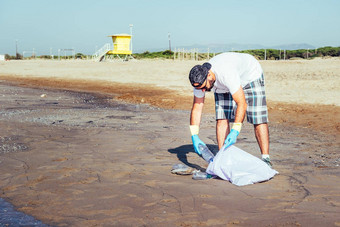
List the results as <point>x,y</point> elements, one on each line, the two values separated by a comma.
<point>211,86</point>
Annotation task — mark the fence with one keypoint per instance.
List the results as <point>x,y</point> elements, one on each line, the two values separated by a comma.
<point>64,51</point>
<point>192,54</point>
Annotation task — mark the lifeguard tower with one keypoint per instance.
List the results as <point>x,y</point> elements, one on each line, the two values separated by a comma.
<point>121,46</point>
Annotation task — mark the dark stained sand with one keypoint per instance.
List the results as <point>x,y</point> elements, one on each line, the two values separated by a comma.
<point>85,158</point>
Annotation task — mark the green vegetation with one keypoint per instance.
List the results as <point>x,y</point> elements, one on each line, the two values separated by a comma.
<point>9,57</point>
<point>273,54</point>
<point>261,54</point>
<point>80,56</point>
<point>167,54</point>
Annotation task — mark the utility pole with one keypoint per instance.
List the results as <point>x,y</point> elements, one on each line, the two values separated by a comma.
<point>307,52</point>
<point>280,55</point>
<point>284,54</point>
<point>131,25</point>
<point>169,41</point>
<point>16,49</point>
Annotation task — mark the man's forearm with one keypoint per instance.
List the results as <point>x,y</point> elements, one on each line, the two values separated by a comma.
<point>240,112</point>
<point>241,103</point>
<point>196,111</point>
<point>195,117</point>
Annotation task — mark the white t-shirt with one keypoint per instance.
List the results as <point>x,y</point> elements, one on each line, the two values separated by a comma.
<point>232,70</point>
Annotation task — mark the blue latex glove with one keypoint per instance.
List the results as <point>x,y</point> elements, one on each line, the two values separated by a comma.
<point>196,141</point>
<point>231,138</point>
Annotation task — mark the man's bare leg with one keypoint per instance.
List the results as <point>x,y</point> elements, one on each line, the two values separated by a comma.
<point>222,130</point>
<point>262,137</point>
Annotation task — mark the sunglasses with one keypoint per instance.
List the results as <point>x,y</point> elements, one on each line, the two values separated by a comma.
<point>205,87</point>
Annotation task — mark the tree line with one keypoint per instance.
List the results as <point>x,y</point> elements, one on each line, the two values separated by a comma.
<point>274,54</point>
<point>261,54</point>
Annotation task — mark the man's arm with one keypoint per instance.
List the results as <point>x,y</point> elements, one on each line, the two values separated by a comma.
<point>195,119</point>
<point>241,103</point>
<point>196,111</point>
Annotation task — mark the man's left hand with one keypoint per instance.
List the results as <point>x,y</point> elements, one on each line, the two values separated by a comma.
<point>231,138</point>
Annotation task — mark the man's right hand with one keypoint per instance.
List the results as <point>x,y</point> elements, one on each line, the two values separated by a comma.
<point>196,141</point>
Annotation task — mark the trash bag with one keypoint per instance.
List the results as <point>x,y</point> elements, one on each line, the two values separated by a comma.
<point>239,167</point>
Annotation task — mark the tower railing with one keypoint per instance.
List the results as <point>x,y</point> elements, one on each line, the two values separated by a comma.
<point>99,54</point>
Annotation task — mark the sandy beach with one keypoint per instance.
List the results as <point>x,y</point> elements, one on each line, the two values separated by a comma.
<point>87,143</point>
<point>287,81</point>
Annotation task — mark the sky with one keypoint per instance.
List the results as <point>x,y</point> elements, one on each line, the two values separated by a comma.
<point>84,25</point>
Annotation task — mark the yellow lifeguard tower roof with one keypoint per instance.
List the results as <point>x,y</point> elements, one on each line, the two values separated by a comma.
<point>121,44</point>
<point>119,35</point>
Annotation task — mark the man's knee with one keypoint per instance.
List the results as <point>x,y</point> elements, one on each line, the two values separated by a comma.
<point>222,122</point>
<point>261,125</point>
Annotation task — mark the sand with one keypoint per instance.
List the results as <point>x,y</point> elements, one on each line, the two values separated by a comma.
<point>86,143</point>
<point>313,82</point>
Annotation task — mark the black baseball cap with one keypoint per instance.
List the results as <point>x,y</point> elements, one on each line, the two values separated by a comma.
<point>198,74</point>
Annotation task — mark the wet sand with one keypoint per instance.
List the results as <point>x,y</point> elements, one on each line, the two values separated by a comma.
<point>80,153</point>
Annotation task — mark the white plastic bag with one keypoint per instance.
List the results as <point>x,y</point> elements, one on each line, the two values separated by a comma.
<point>239,167</point>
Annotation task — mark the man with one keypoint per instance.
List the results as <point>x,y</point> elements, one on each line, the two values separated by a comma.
<point>238,85</point>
